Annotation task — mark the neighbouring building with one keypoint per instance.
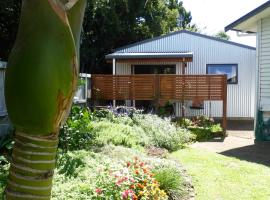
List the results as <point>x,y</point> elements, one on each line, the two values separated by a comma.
<point>193,53</point>
<point>3,110</point>
<point>258,22</point>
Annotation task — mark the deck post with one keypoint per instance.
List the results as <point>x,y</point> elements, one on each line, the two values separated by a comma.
<point>114,72</point>
<point>224,114</point>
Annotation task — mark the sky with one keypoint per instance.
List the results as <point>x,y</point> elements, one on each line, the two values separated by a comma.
<point>212,16</point>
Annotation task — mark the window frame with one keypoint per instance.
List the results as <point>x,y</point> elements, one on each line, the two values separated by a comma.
<point>222,64</point>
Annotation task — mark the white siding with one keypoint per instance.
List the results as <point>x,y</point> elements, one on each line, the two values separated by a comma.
<point>3,110</point>
<point>264,63</point>
<point>241,97</point>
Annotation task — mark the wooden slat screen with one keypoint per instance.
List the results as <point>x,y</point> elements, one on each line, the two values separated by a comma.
<point>159,87</point>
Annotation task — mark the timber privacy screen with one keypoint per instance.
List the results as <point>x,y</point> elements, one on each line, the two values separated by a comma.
<point>161,88</point>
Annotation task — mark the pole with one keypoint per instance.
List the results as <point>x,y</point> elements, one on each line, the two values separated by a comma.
<point>114,72</point>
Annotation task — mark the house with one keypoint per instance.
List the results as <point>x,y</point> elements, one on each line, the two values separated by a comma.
<point>258,21</point>
<point>3,109</point>
<point>185,52</point>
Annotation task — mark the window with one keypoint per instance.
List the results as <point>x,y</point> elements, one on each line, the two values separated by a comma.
<point>231,70</point>
<point>154,69</point>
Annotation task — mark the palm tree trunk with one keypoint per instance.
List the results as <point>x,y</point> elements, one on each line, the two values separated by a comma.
<point>41,79</point>
<point>31,170</point>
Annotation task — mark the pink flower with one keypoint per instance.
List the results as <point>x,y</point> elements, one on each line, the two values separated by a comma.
<point>98,190</point>
<point>127,193</point>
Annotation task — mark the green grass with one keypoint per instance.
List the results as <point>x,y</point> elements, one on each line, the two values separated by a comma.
<point>217,177</point>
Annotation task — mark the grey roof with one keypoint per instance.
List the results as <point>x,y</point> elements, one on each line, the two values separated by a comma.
<point>247,16</point>
<point>132,55</point>
<point>187,32</point>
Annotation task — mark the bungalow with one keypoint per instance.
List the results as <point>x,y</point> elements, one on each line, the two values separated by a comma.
<point>258,21</point>
<point>185,52</point>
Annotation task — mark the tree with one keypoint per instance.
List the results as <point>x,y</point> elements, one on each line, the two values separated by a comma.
<point>9,21</point>
<point>40,82</point>
<point>108,25</point>
<point>115,23</point>
<point>222,35</point>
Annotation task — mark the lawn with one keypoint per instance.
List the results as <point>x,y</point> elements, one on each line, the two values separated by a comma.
<point>217,177</point>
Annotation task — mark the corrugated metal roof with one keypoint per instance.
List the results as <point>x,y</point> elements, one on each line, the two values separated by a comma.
<point>180,32</point>
<point>247,16</point>
<point>121,55</point>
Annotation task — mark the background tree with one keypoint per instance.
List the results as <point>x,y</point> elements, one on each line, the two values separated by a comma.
<point>115,23</point>
<point>9,21</point>
<point>108,25</point>
<point>222,35</point>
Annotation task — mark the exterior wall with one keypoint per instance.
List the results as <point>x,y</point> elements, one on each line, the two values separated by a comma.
<point>3,110</point>
<point>264,63</point>
<point>262,125</point>
<point>241,96</point>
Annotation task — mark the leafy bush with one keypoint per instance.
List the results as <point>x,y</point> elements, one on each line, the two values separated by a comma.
<point>76,133</point>
<point>202,127</point>
<point>85,130</point>
<point>119,134</point>
<point>170,180</point>
<point>162,132</point>
<point>3,177</point>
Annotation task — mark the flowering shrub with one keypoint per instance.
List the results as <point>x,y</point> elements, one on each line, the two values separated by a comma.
<point>132,182</point>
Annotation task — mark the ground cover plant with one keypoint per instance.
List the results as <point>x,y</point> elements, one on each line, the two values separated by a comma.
<point>219,177</point>
<point>203,127</point>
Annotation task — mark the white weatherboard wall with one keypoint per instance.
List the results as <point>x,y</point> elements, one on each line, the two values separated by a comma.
<point>241,96</point>
<point>264,63</point>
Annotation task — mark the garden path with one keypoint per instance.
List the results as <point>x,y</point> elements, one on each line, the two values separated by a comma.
<point>239,144</point>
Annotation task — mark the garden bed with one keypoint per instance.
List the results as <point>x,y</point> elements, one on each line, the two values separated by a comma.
<point>109,155</point>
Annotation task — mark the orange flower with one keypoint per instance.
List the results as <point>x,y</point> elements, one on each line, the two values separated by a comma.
<point>140,185</point>
<point>137,172</point>
<point>132,186</point>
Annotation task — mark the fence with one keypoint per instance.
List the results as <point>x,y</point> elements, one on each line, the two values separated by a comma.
<point>161,88</point>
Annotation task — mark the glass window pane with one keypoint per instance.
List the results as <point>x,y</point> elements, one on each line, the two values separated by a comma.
<point>229,69</point>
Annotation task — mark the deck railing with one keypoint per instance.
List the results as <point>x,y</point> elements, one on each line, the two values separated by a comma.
<point>161,88</point>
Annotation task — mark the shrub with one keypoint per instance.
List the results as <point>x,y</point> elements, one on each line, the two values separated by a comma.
<point>76,133</point>
<point>162,132</point>
<point>170,180</point>
<point>119,134</point>
<point>85,130</point>
<point>202,127</point>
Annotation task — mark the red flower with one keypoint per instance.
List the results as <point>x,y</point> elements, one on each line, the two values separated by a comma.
<point>98,191</point>
<point>128,164</point>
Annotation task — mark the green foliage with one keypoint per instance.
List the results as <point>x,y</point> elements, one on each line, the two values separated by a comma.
<point>222,35</point>
<point>86,130</point>
<point>70,164</point>
<point>77,132</point>
<point>119,134</point>
<point>162,132</point>
<point>115,23</point>
<point>3,177</point>
<point>202,127</point>
<point>170,180</point>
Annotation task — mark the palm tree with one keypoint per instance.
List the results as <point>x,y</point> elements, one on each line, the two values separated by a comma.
<point>40,82</point>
